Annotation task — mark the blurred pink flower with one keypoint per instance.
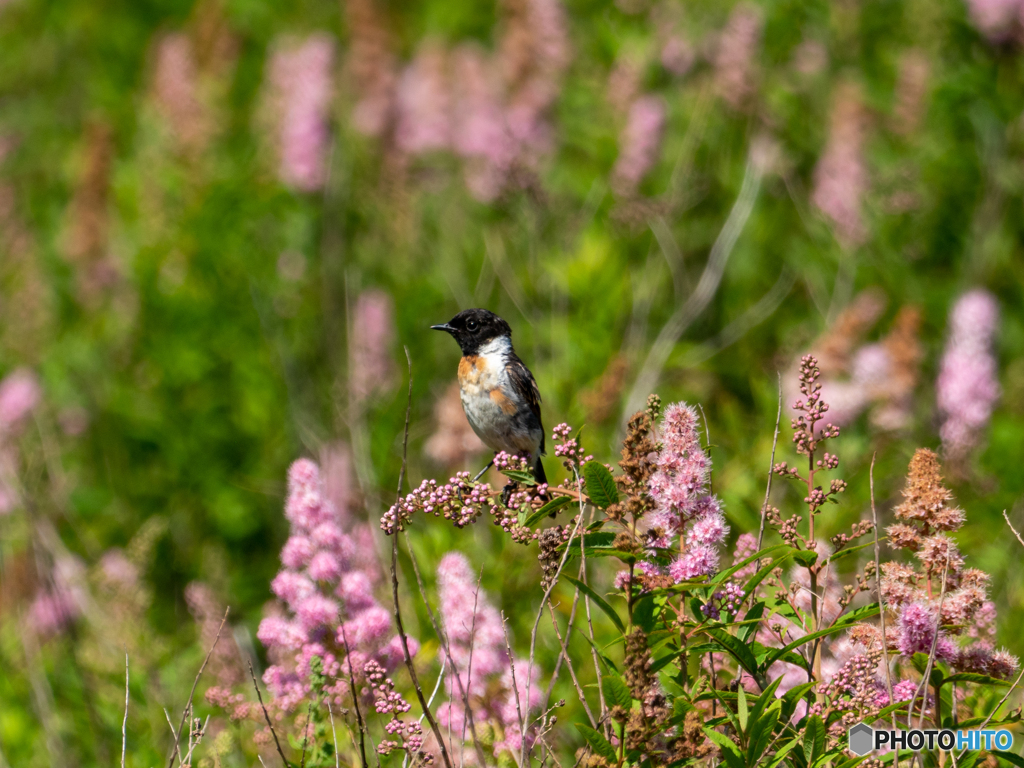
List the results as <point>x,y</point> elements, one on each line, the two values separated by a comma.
<point>339,487</point>
<point>370,337</point>
<point>329,608</point>
<point>300,83</point>
<point>480,133</point>
<point>176,92</point>
<point>639,144</point>
<point>423,102</point>
<point>996,19</point>
<point>841,177</point>
<point>677,55</point>
<point>735,58</point>
<point>534,53</point>
<point>58,604</point>
<point>478,659</point>
<point>20,393</point>
<point>967,388</point>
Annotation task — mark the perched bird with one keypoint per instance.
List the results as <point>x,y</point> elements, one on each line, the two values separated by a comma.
<point>499,394</point>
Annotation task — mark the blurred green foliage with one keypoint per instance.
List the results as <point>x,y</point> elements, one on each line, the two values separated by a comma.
<point>204,372</point>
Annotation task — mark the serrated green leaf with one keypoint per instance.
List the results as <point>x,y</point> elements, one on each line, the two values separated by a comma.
<point>600,602</point>
<point>738,649</point>
<point>551,507</point>
<point>806,557</point>
<point>616,693</point>
<point>598,742</point>
<point>522,476</point>
<point>814,738</point>
<point>761,732</point>
<point>600,484</point>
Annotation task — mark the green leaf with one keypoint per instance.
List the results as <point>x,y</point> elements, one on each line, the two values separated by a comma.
<point>600,602</point>
<point>806,557</point>
<point>600,484</point>
<point>814,738</point>
<point>598,742</point>
<point>522,476</point>
<point>839,626</point>
<point>784,550</point>
<point>752,616</point>
<point>766,698</point>
<point>1009,757</point>
<point>973,677</point>
<point>550,508</point>
<point>781,754</point>
<point>616,692</point>
<point>920,662</point>
<point>761,732</point>
<point>741,708</point>
<point>737,648</point>
<point>643,613</point>
<point>843,553</point>
<point>730,752</point>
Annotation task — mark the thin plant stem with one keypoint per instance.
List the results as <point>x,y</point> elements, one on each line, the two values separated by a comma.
<point>771,466</point>
<point>355,699</point>
<point>878,587</point>
<point>124,723</point>
<point>192,693</point>
<point>266,716</point>
<point>394,588</point>
<point>536,625</point>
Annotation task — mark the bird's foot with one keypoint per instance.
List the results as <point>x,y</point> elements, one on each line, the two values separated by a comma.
<point>507,491</point>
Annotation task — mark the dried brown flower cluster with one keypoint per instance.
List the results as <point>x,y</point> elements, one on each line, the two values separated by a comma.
<point>925,510</point>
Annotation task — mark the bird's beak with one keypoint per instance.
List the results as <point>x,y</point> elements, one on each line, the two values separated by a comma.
<point>443,327</point>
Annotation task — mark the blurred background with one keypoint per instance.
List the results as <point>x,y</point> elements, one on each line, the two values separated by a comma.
<point>221,221</point>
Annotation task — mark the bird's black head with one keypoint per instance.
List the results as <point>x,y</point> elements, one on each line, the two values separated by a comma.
<point>472,328</point>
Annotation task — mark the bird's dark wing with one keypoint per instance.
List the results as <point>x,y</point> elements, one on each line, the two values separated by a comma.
<point>526,387</point>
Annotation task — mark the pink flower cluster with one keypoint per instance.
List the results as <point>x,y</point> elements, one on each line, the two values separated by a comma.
<point>679,488</point>
<point>330,611</point>
<point>639,144</point>
<point>968,385</point>
<point>480,670</point>
<point>841,176</point>
<point>458,500</point>
<point>569,449</point>
<point>300,82</point>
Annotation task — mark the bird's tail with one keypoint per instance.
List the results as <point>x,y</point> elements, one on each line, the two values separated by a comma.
<point>538,472</point>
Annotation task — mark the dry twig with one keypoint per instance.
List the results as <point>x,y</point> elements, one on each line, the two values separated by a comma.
<point>394,589</point>
<point>192,693</point>
<point>266,715</point>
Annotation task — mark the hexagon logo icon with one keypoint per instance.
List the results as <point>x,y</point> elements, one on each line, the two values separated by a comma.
<point>861,739</point>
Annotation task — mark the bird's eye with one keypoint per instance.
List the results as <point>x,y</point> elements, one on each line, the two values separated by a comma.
<point>472,325</point>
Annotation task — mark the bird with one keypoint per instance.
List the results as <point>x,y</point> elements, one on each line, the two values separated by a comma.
<point>499,394</point>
